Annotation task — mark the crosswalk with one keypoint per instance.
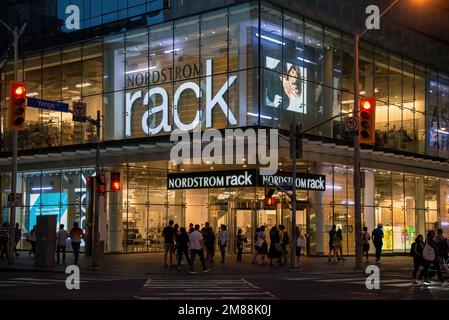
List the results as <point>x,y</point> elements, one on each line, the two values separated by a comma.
<point>392,282</point>
<point>29,281</point>
<point>207,289</point>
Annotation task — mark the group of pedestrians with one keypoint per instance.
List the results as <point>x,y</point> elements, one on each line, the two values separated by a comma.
<point>76,235</point>
<point>431,252</point>
<point>277,249</point>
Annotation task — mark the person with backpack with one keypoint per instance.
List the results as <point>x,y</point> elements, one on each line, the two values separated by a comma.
<point>416,252</point>
<point>365,244</point>
<point>430,257</point>
<point>378,236</point>
<point>284,241</point>
<point>275,246</point>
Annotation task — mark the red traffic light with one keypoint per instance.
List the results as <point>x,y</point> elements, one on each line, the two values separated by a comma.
<point>269,201</point>
<point>115,181</point>
<point>366,105</point>
<point>19,91</point>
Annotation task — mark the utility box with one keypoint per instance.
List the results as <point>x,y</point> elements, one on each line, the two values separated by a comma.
<point>46,241</point>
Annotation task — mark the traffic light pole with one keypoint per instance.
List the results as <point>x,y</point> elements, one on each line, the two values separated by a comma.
<point>95,264</point>
<point>12,217</point>
<point>357,191</point>
<point>293,142</point>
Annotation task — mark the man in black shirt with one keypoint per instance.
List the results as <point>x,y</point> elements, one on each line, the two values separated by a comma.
<point>169,234</point>
<point>332,234</point>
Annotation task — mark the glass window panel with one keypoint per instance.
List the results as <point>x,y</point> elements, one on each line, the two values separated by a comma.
<point>408,84</point>
<point>243,43</point>
<point>51,77</point>
<point>187,36</point>
<point>113,63</point>
<point>313,52</point>
<point>71,73</point>
<point>92,68</point>
<point>381,75</point>
<point>161,52</point>
<point>136,63</point>
<point>366,65</point>
<point>214,41</point>
<point>347,67</point>
<point>420,130</point>
<point>395,80</point>
<point>420,88</point>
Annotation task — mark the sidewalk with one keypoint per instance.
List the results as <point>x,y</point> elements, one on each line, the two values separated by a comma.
<point>143,264</point>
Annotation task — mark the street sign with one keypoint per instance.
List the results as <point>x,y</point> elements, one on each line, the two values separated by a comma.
<point>14,200</point>
<point>351,125</point>
<point>48,105</point>
<point>79,112</point>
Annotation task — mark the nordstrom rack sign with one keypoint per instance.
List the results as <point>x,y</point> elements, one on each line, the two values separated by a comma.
<point>243,178</point>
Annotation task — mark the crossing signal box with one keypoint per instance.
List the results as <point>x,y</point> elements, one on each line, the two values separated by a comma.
<point>367,118</point>
<point>17,105</point>
<point>115,181</point>
<point>269,202</point>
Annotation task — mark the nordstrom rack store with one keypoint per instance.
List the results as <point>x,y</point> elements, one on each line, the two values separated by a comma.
<point>249,65</point>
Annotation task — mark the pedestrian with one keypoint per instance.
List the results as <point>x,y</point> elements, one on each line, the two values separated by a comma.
<point>261,245</point>
<point>183,246</point>
<point>416,252</point>
<point>442,249</point>
<point>223,238</point>
<point>196,248</point>
<point>256,248</point>
<point>209,242</point>
<point>191,228</point>
<point>377,236</point>
<point>17,238</point>
<point>275,246</point>
<point>430,256</point>
<point>32,239</point>
<point>240,242</point>
<point>4,239</point>
<point>169,235</point>
<point>175,240</point>
<point>300,245</point>
<point>284,241</point>
<point>61,242</point>
<point>339,245</point>
<point>332,233</point>
<point>76,234</point>
<point>365,243</point>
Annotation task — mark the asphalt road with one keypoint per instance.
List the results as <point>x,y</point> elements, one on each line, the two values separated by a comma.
<point>175,285</point>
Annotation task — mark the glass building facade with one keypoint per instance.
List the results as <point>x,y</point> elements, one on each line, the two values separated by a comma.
<point>252,64</point>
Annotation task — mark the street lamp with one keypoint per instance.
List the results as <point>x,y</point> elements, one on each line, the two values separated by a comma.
<point>357,191</point>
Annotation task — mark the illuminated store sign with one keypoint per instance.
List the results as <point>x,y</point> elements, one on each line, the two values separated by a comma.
<point>161,111</point>
<point>243,178</point>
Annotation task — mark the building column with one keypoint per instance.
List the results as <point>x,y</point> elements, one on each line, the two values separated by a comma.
<point>420,207</point>
<point>317,198</point>
<point>328,92</point>
<point>115,226</point>
<point>369,218</point>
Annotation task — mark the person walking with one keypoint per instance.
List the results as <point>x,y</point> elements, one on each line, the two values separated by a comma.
<point>182,242</point>
<point>209,242</point>
<point>32,239</point>
<point>332,233</point>
<point>339,245</point>
<point>261,245</point>
<point>275,246</point>
<point>430,256</point>
<point>169,235</point>
<point>175,241</point>
<point>300,245</point>
<point>196,248</point>
<point>416,252</point>
<point>256,248</point>
<point>284,241</point>
<point>61,243</point>
<point>365,244</point>
<point>378,236</point>
<point>17,238</point>
<point>4,239</point>
<point>442,249</point>
<point>76,234</point>
<point>223,238</point>
<point>240,242</point>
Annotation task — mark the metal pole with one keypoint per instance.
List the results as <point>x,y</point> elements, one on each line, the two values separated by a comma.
<point>12,219</point>
<point>97,197</point>
<point>293,155</point>
<point>357,191</point>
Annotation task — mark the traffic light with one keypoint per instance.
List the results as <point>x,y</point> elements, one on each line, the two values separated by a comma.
<point>101,184</point>
<point>367,108</point>
<point>17,105</point>
<point>269,199</point>
<point>115,181</point>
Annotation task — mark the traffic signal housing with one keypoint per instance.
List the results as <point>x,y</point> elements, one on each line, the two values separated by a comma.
<point>367,119</point>
<point>115,181</point>
<point>17,105</point>
<point>269,201</point>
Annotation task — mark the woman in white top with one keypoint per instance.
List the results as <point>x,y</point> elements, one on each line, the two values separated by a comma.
<point>223,238</point>
<point>261,245</point>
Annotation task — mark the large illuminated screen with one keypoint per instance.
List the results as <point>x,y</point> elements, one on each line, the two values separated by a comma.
<point>53,203</point>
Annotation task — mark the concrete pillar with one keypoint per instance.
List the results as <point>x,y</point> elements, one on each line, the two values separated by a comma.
<point>420,207</point>
<point>115,225</point>
<point>317,198</point>
<point>369,218</point>
<point>328,92</point>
